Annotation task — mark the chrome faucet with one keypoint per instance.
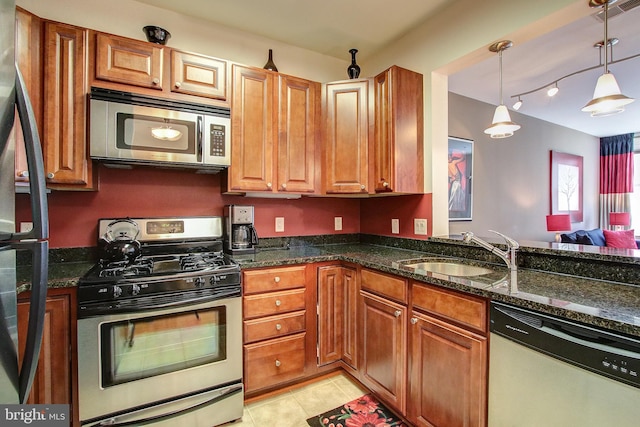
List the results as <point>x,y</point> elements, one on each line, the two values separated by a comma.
<point>509,256</point>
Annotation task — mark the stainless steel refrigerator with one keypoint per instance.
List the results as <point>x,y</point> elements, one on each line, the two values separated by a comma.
<point>17,370</point>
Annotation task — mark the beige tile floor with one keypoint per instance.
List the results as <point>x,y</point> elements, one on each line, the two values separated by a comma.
<point>292,407</point>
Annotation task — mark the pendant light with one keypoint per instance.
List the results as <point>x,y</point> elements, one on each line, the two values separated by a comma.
<point>502,126</point>
<point>607,98</point>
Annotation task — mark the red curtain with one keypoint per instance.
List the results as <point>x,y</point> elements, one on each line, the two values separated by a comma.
<point>616,175</point>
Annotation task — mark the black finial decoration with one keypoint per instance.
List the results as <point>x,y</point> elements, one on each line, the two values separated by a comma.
<point>353,70</point>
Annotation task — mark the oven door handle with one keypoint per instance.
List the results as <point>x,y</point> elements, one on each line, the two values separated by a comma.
<point>112,422</point>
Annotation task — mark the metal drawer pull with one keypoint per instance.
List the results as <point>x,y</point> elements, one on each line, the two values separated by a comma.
<point>278,303</point>
<point>414,320</point>
<point>155,81</point>
<point>278,326</point>
<point>397,313</point>
<point>277,279</point>
<point>178,84</point>
<point>278,363</point>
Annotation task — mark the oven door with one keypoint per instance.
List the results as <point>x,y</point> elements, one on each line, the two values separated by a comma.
<point>138,133</point>
<point>128,362</point>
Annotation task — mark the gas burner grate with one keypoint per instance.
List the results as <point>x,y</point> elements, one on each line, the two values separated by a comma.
<point>140,266</point>
<point>197,261</point>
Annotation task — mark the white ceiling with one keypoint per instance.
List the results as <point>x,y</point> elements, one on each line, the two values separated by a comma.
<point>332,27</point>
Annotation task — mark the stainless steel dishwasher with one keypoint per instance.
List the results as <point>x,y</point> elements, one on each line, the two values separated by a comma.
<point>544,371</point>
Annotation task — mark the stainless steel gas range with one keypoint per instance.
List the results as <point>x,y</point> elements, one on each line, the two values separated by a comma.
<point>160,326</point>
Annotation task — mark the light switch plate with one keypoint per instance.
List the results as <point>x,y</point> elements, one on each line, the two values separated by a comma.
<point>337,221</point>
<point>420,226</point>
<point>395,226</point>
<point>279,224</point>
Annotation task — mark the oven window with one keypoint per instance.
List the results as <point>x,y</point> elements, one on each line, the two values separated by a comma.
<point>141,348</point>
<point>140,132</point>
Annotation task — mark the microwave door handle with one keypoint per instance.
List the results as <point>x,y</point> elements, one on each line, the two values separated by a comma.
<point>39,210</point>
<point>199,138</point>
<point>162,417</point>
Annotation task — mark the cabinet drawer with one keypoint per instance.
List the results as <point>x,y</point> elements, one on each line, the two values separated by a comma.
<point>271,362</point>
<point>273,326</point>
<point>273,303</point>
<point>273,279</point>
<point>466,310</point>
<point>382,284</point>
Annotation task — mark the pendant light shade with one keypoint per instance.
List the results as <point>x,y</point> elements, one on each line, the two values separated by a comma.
<point>607,98</point>
<point>501,126</point>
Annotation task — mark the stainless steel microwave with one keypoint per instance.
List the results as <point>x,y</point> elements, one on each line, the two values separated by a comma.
<point>129,129</point>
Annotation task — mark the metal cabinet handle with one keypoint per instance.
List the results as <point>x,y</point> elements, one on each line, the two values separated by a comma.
<point>397,313</point>
<point>276,279</point>
<point>284,186</point>
<point>385,184</point>
<point>155,81</point>
<point>278,303</point>
<point>278,326</point>
<point>23,174</point>
<point>362,187</point>
<point>414,320</point>
<point>50,175</point>
<point>178,84</point>
<point>278,363</point>
<point>269,185</point>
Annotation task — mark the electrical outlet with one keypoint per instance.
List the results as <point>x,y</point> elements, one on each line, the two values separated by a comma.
<point>337,222</point>
<point>26,226</point>
<point>395,226</point>
<point>279,224</point>
<point>420,226</point>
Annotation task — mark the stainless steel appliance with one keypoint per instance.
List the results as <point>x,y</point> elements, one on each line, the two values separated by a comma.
<point>16,383</point>
<point>131,129</point>
<point>546,371</point>
<point>161,335</point>
<point>240,234</point>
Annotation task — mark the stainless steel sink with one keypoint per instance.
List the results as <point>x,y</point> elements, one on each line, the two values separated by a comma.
<point>449,268</point>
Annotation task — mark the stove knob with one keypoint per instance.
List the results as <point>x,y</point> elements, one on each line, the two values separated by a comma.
<point>199,282</point>
<point>117,291</point>
<point>135,289</point>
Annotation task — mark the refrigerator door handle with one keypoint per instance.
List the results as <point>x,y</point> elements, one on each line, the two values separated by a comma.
<point>37,186</point>
<point>39,232</point>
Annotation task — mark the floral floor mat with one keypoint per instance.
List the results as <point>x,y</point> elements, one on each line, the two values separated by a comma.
<point>364,411</point>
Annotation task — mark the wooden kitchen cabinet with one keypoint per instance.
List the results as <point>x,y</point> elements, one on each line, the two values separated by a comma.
<point>275,321</point>
<point>447,362</point>
<point>273,132</point>
<point>346,137</point>
<point>383,316</point>
<point>66,157</point>
<point>198,75</point>
<point>398,160</point>
<point>128,61</point>
<point>338,289</point>
<point>54,379</point>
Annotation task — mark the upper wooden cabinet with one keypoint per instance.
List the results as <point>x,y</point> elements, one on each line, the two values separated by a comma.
<point>198,75</point>
<point>273,132</point>
<point>138,66</point>
<point>346,137</point>
<point>398,146</point>
<point>374,134</point>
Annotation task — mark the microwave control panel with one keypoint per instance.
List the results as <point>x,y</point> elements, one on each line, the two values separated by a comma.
<point>217,136</point>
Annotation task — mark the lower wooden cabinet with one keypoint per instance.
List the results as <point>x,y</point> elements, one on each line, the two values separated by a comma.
<point>54,378</point>
<point>447,374</point>
<point>274,361</point>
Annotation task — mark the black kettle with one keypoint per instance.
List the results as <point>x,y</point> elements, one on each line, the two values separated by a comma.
<point>119,242</point>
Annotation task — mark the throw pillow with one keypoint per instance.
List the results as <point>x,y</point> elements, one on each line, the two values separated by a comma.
<point>568,237</point>
<point>620,239</point>
<point>597,236</point>
<point>584,239</point>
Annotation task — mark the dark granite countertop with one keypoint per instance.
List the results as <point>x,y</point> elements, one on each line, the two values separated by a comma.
<point>609,304</point>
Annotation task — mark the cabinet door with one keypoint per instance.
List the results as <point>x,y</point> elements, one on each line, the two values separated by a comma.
<point>399,136</point>
<point>198,75</point>
<point>252,130</point>
<point>448,368</point>
<point>346,139</point>
<point>129,61</point>
<point>351,289</point>
<point>330,314</point>
<point>28,57</point>
<point>270,362</point>
<point>384,349</point>
<point>65,88</point>
<point>299,105</point>
<point>52,382</point>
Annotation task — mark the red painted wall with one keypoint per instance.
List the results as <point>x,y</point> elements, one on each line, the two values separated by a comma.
<point>143,192</point>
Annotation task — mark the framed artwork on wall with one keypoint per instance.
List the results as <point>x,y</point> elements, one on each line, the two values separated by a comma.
<point>566,185</point>
<point>460,159</point>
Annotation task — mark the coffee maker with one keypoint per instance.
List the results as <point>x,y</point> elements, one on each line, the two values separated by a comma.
<point>240,235</point>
